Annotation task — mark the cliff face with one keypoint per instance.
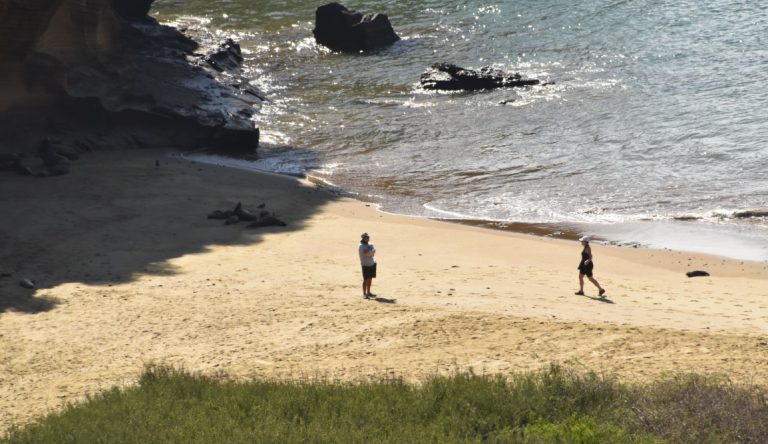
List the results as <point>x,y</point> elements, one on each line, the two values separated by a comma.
<point>101,74</point>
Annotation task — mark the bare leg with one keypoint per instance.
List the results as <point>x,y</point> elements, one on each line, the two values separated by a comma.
<point>367,287</point>
<point>600,289</point>
<point>581,284</point>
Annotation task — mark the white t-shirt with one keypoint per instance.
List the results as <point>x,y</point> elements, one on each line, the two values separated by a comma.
<point>366,252</point>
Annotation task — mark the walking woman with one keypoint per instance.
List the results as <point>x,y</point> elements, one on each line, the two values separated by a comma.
<point>585,267</point>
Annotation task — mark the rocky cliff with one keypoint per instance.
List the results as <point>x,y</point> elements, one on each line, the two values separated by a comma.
<point>103,74</point>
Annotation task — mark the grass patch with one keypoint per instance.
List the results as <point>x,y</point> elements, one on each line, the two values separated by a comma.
<point>555,405</point>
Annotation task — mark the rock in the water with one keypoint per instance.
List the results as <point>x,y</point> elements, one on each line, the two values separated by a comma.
<point>233,219</point>
<point>448,77</point>
<point>751,213</point>
<point>227,58</point>
<point>341,29</point>
<point>696,273</point>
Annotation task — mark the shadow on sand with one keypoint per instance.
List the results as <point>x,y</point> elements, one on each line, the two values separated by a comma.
<point>382,300</point>
<point>117,217</point>
<point>603,299</point>
<point>23,300</point>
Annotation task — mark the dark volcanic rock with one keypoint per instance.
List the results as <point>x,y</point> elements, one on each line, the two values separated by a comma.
<point>696,273</point>
<point>341,29</point>
<point>448,77</point>
<point>751,213</point>
<point>132,9</point>
<point>102,74</point>
<point>227,58</point>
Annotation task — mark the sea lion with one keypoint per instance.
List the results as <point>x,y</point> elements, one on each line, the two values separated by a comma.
<point>218,214</point>
<point>242,213</point>
<point>267,221</point>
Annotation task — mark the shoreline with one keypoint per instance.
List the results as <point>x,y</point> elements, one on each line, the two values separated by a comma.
<point>683,236</point>
<point>129,272</point>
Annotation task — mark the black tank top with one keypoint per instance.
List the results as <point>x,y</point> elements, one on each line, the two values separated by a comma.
<point>584,257</point>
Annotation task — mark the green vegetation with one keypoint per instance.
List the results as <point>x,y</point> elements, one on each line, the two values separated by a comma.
<point>555,405</point>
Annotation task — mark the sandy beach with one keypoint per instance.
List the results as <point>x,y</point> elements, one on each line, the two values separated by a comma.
<point>130,272</point>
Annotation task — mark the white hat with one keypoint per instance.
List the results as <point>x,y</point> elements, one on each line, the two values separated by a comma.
<point>584,239</point>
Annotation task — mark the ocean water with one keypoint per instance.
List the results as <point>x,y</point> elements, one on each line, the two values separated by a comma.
<point>655,131</point>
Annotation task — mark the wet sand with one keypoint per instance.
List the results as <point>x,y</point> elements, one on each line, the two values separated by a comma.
<point>131,272</point>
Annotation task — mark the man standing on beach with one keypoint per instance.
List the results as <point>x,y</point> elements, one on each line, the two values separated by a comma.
<point>366,252</point>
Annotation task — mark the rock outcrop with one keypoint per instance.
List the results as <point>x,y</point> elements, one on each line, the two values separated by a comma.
<point>341,29</point>
<point>78,75</point>
<point>448,77</point>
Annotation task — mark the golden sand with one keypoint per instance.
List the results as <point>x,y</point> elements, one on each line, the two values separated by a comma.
<point>131,272</point>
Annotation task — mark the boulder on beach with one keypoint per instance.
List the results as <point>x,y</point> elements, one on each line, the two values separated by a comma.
<point>449,77</point>
<point>697,273</point>
<point>341,29</point>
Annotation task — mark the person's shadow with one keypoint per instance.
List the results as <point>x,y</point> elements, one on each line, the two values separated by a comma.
<point>599,299</point>
<point>382,300</point>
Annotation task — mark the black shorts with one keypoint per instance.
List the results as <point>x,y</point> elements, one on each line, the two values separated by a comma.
<point>369,272</point>
<point>586,269</point>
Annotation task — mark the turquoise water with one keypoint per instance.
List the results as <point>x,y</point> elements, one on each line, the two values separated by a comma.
<point>654,131</point>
